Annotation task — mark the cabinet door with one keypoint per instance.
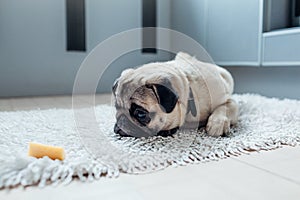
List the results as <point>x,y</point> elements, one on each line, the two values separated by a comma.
<point>234,31</point>
<point>33,56</point>
<point>281,48</point>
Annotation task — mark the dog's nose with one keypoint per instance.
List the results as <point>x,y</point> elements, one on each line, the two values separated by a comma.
<point>119,131</point>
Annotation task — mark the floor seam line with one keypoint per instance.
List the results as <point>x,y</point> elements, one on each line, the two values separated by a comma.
<point>268,171</point>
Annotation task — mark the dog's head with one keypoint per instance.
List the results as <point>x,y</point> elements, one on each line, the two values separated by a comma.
<point>146,100</point>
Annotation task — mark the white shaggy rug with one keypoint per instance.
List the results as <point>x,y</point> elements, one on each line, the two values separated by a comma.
<point>264,124</point>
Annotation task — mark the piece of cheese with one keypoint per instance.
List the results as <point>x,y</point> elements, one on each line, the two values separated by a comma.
<point>41,150</point>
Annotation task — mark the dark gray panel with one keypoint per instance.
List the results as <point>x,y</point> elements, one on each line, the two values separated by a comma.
<point>75,23</point>
<point>277,14</point>
<point>149,18</point>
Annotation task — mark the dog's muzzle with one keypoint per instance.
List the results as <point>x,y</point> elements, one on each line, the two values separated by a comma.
<point>124,127</point>
<point>119,131</point>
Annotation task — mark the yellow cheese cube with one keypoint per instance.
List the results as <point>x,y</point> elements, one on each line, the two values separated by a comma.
<point>41,150</point>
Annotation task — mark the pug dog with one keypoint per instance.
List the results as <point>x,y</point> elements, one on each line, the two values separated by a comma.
<point>159,98</point>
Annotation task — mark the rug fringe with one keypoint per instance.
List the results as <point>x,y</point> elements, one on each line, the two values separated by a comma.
<point>45,171</point>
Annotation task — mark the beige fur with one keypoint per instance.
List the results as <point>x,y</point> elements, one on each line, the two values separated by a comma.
<point>211,86</point>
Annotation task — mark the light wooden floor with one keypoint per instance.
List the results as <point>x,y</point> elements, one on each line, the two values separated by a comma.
<point>265,175</point>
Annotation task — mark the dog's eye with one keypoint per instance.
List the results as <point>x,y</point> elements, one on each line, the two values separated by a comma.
<point>140,114</point>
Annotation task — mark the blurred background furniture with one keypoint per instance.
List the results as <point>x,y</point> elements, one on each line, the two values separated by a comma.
<point>257,41</point>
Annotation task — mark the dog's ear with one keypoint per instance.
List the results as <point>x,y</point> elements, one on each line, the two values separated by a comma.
<point>114,87</point>
<point>166,95</point>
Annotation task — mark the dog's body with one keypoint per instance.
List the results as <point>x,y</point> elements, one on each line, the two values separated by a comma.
<point>185,92</point>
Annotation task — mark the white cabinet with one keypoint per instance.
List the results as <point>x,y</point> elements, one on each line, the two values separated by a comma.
<point>252,33</point>
<point>281,48</point>
<point>241,32</point>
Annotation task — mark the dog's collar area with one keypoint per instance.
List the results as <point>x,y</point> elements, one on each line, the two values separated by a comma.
<point>191,107</point>
<point>166,133</point>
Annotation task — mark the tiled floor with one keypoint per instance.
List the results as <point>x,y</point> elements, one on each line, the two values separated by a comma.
<point>264,175</point>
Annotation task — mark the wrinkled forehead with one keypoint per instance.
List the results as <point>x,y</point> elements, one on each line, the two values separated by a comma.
<point>132,79</point>
<point>127,86</point>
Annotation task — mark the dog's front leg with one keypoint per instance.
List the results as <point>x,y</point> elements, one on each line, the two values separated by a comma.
<point>222,117</point>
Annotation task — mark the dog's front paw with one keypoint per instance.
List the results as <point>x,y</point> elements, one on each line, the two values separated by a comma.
<point>217,125</point>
